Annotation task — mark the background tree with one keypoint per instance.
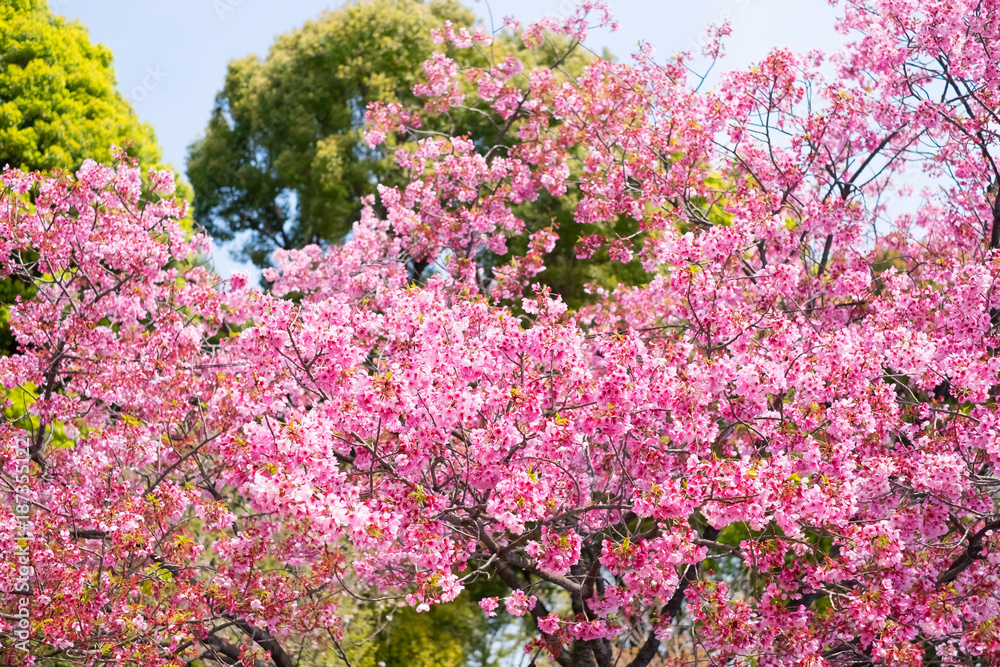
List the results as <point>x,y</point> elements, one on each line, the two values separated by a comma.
<point>282,157</point>
<point>283,163</point>
<point>58,100</point>
<point>455,635</point>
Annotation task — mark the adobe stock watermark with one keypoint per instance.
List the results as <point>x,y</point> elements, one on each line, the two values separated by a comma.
<point>20,558</point>
<point>705,37</point>
<point>567,8</point>
<point>150,82</point>
<point>224,8</point>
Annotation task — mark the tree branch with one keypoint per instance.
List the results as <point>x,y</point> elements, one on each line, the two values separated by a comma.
<point>225,652</point>
<point>265,641</point>
<point>514,582</point>
<point>971,554</point>
<point>671,609</point>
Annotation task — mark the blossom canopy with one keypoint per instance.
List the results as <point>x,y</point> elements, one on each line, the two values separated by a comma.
<point>782,450</point>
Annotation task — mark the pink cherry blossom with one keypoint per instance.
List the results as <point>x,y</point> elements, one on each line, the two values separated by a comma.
<point>489,605</point>
<point>518,604</point>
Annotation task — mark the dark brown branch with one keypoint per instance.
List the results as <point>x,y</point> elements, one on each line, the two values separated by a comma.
<point>600,647</point>
<point>602,652</point>
<point>225,652</point>
<point>35,448</point>
<point>85,534</point>
<point>671,609</point>
<point>266,641</point>
<point>504,554</point>
<point>514,582</point>
<point>971,554</point>
<point>995,230</point>
<point>826,255</point>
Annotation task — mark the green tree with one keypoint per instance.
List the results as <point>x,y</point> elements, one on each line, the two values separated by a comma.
<point>58,101</point>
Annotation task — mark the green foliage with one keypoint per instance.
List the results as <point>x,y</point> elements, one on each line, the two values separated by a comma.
<point>9,290</point>
<point>564,273</point>
<point>58,102</point>
<point>456,634</point>
<point>445,636</point>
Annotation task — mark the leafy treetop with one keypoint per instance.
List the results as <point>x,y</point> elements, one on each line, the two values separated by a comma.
<point>58,101</point>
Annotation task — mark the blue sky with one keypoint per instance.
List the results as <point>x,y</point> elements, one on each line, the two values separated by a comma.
<point>171,55</point>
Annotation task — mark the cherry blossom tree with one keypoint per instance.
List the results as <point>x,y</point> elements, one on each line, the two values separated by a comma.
<point>781,450</point>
